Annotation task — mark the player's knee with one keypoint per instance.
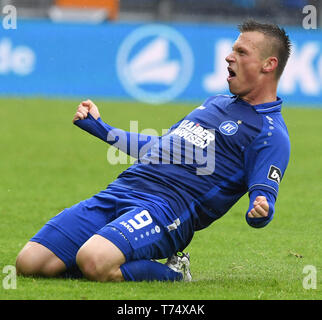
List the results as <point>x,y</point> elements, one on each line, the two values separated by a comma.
<point>38,261</point>
<point>26,264</point>
<point>88,264</point>
<point>94,267</point>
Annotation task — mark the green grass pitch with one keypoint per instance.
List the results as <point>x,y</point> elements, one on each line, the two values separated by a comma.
<point>48,164</point>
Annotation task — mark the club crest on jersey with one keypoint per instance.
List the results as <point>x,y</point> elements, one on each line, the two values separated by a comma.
<point>228,128</point>
<point>194,133</point>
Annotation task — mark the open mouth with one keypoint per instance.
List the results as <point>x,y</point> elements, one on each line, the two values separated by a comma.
<point>232,73</point>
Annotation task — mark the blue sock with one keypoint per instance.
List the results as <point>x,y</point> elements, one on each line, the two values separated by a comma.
<point>140,270</point>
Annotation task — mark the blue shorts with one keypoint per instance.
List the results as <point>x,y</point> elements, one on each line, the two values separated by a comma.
<point>141,225</point>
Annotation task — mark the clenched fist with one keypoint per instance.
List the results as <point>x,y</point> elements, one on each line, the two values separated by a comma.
<point>84,108</point>
<point>260,209</point>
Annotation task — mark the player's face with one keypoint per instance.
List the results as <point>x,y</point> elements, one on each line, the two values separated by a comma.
<point>245,63</point>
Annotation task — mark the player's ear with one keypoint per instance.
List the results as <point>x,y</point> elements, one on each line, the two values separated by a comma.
<point>270,64</point>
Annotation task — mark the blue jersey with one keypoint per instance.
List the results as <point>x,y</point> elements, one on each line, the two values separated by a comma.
<point>211,158</point>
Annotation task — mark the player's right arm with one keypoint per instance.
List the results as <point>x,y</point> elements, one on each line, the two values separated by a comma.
<point>87,117</point>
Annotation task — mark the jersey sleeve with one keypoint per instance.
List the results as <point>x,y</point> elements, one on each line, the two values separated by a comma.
<point>128,142</point>
<point>267,157</point>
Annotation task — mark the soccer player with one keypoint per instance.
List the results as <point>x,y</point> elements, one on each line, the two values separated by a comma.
<point>182,181</point>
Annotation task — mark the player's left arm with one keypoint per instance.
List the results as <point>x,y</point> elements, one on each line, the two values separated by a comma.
<point>266,160</point>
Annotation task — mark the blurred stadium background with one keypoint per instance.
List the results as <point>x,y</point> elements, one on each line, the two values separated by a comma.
<point>153,51</point>
<point>278,11</point>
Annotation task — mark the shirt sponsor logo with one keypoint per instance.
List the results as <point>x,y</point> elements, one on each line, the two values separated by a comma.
<point>194,133</point>
<point>228,128</point>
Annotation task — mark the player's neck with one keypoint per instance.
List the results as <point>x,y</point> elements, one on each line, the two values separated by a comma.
<point>262,94</point>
